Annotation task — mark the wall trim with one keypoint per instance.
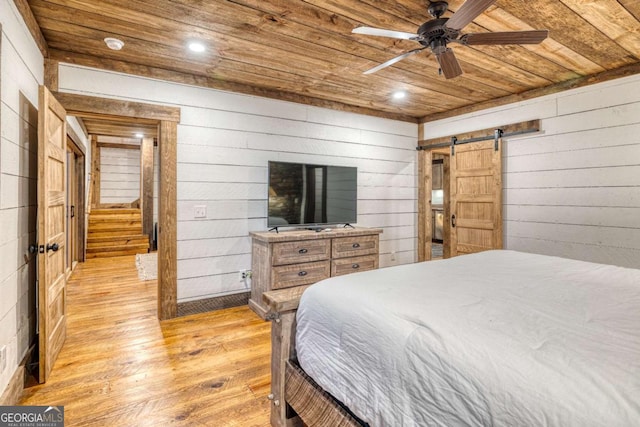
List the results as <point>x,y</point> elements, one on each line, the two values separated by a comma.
<point>13,392</point>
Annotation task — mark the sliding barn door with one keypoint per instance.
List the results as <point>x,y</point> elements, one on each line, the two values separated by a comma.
<point>52,182</point>
<point>476,197</point>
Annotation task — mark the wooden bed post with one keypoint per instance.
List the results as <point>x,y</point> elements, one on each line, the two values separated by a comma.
<point>293,392</point>
<point>282,305</point>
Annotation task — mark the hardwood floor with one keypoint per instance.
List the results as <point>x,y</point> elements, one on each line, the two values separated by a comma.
<point>120,366</point>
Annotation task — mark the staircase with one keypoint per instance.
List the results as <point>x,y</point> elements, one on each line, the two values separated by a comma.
<point>115,232</point>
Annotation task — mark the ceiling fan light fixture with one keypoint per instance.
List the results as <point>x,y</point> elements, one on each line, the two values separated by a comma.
<point>114,43</point>
<point>139,135</point>
<point>437,33</point>
<point>400,94</point>
<point>196,47</point>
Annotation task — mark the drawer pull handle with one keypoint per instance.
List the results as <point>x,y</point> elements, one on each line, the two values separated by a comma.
<point>354,266</point>
<point>355,245</point>
<point>302,273</point>
<point>302,251</point>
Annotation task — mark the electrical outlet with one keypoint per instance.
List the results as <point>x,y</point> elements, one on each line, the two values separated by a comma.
<point>200,211</point>
<point>3,358</point>
<point>244,275</point>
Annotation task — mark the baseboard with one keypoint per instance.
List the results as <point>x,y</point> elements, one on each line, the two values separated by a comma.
<point>211,304</point>
<point>13,392</point>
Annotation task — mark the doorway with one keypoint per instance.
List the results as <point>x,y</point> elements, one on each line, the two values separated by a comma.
<point>440,206</point>
<point>165,120</point>
<point>463,186</point>
<point>75,205</point>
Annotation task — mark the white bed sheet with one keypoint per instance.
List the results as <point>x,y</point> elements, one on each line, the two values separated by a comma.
<point>498,338</point>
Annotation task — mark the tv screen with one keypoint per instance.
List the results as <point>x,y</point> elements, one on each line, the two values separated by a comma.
<point>311,195</point>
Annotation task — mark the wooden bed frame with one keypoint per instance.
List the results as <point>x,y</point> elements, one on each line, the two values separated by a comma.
<point>295,397</point>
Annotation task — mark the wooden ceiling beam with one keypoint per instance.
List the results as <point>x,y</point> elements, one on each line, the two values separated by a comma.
<point>79,104</point>
<point>32,25</point>
<point>117,145</point>
<point>119,119</point>
<point>190,79</point>
<point>604,76</point>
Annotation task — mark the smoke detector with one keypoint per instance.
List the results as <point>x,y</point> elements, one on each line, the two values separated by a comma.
<point>113,43</point>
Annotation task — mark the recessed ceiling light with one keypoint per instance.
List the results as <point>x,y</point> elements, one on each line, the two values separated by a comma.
<point>139,135</point>
<point>113,43</point>
<point>399,94</point>
<point>196,47</point>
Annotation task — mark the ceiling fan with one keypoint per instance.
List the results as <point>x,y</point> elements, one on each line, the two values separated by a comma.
<point>437,33</point>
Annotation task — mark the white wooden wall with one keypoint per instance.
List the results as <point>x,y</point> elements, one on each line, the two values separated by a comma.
<point>572,190</point>
<point>119,175</point>
<point>21,70</point>
<point>224,143</point>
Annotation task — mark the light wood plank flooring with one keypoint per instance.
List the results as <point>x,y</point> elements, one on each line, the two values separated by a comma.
<point>121,367</point>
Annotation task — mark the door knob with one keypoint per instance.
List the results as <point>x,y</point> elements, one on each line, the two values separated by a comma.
<point>33,249</point>
<point>53,247</point>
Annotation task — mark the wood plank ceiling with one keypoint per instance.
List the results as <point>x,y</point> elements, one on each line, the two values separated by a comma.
<point>119,127</point>
<point>303,51</point>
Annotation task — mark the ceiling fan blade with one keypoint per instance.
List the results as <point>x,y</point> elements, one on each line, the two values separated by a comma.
<point>467,13</point>
<point>507,37</point>
<point>449,64</point>
<point>369,31</point>
<point>394,60</point>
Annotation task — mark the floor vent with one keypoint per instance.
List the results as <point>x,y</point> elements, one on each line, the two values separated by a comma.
<point>212,304</point>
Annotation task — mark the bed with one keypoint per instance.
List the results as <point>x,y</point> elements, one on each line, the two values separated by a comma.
<point>488,339</point>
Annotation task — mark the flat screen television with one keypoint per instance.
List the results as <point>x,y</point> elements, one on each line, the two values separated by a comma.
<point>310,195</point>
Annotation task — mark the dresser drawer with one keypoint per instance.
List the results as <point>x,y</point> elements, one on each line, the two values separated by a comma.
<point>353,265</point>
<point>287,276</point>
<point>301,251</point>
<point>344,247</point>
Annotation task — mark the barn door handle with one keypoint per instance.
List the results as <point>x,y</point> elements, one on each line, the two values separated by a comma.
<point>73,211</point>
<point>453,220</point>
<point>53,247</point>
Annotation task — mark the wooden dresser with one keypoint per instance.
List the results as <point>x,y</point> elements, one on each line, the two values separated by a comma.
<point>302,257</point>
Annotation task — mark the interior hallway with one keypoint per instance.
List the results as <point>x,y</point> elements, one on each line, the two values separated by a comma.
<point>121,367</point>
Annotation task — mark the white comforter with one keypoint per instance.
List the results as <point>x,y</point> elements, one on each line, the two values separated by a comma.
<point>499,338</point>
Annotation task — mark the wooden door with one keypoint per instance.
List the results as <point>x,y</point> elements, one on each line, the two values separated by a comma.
<point>476,198</point>
<point>52,145</point>
<point>72,234</point>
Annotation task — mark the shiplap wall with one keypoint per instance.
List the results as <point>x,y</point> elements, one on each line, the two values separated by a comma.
<point>572,190</point>
<point>224,143</point>
<point>21,71</point>
<point>119,175</point>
